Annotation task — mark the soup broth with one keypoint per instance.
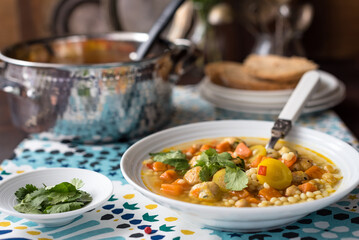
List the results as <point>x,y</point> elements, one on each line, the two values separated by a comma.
<point>240,172</point>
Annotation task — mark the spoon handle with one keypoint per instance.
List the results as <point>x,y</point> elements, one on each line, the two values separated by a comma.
<point>158,27</point>
<point>292,109</point>
<point>300,96</point>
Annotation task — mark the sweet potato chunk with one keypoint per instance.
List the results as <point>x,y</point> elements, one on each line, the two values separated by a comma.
<point>269,193</point>
<point>315,172</point>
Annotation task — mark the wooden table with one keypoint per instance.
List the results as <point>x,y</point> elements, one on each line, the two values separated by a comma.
<point>348,72</point>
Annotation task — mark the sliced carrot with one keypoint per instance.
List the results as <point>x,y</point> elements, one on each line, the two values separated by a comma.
<point>191,151</point>
<point>307,187</point>
<point>269,193</point>
<point>195,192</point>
<point>205,147</point>
<point>172,189</point>
<point>149,165</point>
<point>240,194</point>
<point>242,150</point>
<point>159,167</point>
<point>251,199</point>
<point>169,175</point>
<point>290,162</point>
<point>223,147</point>
<point>315,172</point>
<point>257,161</point>
<point>182,182</point>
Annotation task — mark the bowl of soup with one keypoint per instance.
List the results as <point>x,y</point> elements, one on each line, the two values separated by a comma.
<point>218,174</point>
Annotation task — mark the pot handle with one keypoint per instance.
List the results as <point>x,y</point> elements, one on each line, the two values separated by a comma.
<point>185,57</point>
<point>13,87</point>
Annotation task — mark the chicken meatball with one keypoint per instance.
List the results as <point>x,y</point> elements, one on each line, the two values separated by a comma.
<point>192,176</point>
<point>299,177</point>
<point>206,191</point>
<point>302,164</point>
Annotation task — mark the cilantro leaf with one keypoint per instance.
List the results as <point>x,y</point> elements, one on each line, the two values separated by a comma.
<point>63,187</point>
<point>64,207</point>
<point>21,192</point>
<point>85,197</point>
<point>57,197</point>
<point>78,183</point>
<point>179,164</point>
<point>176,159</point>
<point>235,179</point>
<point>210,157</point>
<point>211,162</point>
<point>29,197</point>
<point>27,208</point>
<point>205,174</point>
<point>39,201</point>
<point>161,156</point>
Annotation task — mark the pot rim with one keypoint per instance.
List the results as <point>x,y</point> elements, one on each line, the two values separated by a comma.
<point>129,36</point>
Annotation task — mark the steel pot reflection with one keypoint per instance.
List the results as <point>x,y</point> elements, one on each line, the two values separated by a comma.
<point>84,88</point>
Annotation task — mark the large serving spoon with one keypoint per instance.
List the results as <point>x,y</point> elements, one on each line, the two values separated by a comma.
<point>157,29</point>
<point>293,108</point>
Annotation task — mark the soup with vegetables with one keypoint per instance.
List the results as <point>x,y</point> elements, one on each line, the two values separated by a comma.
<point>240,172</point>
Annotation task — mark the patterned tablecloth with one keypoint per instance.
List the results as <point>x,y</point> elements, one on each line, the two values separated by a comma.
<point>127,212</point>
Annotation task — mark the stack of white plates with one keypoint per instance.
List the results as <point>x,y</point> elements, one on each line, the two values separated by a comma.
<point>330,92</point>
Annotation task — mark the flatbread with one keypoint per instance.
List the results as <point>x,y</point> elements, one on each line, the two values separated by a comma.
<point>234,75</point>
<point>278,68</point>
<point>214,71</point>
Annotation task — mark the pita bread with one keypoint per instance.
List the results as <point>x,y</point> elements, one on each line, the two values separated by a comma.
<point>234,75</point>
<point>278,68</point>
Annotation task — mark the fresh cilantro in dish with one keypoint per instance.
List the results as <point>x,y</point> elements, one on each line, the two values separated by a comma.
<point>210,162</point>
<point>235,179</point>
<point>177,159</point>
<point>62,197</point>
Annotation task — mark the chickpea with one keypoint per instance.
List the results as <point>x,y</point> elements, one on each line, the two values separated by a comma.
<point>242,203</point>
<point>291,191</point>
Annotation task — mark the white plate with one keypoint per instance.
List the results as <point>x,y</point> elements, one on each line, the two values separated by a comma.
<point>226,102</point>
<point>328,84</point>
<point>270,111</point>
<point>242,219</point>
<point>96,184</point>
<point>340,91</point>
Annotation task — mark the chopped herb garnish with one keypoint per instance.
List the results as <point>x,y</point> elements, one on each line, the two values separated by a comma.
<point>62,197</point>
<point>177,159</point>
<point>210,162</point>
<point>235,179</point>
<point>21,192</point>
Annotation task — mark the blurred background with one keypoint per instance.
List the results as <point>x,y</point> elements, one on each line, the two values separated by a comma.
<point>325,31</point>
<point>331,33</point>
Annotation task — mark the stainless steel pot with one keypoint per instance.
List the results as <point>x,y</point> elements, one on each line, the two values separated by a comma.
<point>85,88</point>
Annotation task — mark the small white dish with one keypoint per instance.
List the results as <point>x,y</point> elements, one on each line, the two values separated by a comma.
<point>96,184</point>
<point>344,156</point>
